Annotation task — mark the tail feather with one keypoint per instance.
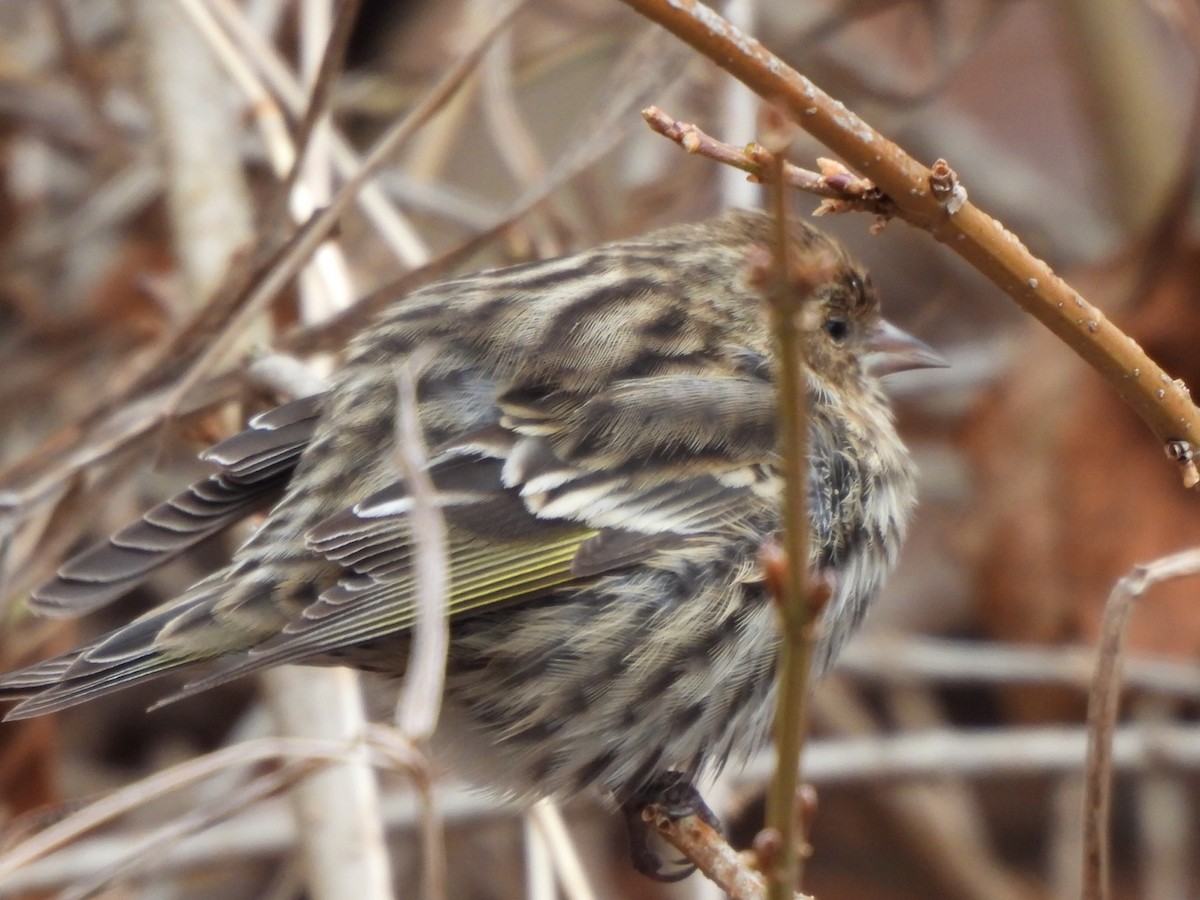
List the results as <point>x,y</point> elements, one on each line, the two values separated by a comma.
<point>126,656</point>
<point>61,694</point>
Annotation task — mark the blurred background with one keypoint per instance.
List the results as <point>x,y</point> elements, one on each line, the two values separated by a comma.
<point>144,147</point>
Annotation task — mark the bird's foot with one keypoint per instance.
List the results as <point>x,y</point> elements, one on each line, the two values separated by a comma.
<point>671,795</point>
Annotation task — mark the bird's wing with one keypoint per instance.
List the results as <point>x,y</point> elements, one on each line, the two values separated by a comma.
<point>557,493</point>
<point>560,490</point>
<point>253,467</point>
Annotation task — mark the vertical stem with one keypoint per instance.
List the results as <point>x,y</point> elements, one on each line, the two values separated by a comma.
<point>787,306</point>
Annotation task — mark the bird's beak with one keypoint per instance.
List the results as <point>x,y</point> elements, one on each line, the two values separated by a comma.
<point>890,350</point>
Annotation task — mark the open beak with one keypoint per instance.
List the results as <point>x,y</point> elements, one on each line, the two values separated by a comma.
<point>891,350</point>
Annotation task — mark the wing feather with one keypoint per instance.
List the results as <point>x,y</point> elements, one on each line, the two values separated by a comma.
<point>254,466</point>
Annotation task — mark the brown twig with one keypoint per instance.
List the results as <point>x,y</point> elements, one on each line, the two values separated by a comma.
<point>702,845</point>
<point>1103,703</point>
<point>1163,403</point>
<point>760,165</point>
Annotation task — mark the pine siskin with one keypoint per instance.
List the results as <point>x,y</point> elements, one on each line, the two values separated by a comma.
<point>602,434</point>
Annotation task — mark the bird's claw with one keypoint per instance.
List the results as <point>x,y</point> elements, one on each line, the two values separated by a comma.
<point>671,796</point>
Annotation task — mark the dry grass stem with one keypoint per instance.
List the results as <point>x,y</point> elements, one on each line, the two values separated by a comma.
<point>265,830</point>
<point>659,65</point>
<point>324,38</point>
<point>1103,704</point>
<point>421,698</point>
<point>300,247</point>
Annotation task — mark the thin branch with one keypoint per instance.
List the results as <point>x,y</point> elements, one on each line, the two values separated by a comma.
<point>790,284</point>
<point>192,820</point>
<point>264,831</point>
<point>267,115</point>
<point>985,753</point>
<point>325,283</point>
<point>760,165</point>
<point>658,67</point>
<point>712,855</point>
<point>421,697</point>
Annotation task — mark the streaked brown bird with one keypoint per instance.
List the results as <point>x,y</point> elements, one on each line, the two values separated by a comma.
<point>603,448</point>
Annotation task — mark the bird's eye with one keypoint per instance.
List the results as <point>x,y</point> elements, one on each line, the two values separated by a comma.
<point>838,329</point>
